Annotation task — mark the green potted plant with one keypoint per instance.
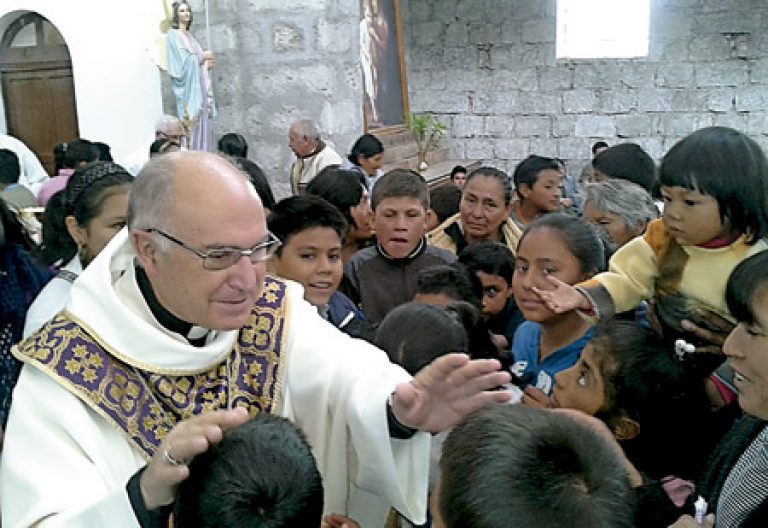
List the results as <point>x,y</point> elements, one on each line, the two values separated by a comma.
<point>427,131</point>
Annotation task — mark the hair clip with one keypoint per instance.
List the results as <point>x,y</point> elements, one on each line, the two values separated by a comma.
<point>682,348</point>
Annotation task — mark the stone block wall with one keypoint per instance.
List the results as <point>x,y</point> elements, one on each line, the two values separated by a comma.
<point>487,69</point>
<point>280,60</point>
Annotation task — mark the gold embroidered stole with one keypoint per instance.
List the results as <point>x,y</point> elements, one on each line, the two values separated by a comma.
<point>145,405</point>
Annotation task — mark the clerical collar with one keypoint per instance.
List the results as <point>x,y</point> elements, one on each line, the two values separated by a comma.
<point>195,335</point>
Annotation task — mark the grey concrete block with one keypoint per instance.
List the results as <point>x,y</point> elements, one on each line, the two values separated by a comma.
<point>759,72</point>
<point>720,100</point>
<point>333,37</point>
<point>499,126</point>
<point>287,37</point>
<point>514,78</point>
<point>733,120</point>
<point>428,33</point>
<point>440,101</point>
<point>678,124</point>
<point>485,32</point>
<point>540,103</point>
<point>636,74</point>
<point>574,148</point>
<point>750,98</point>
<point>757,123</point>
<point>594,75</point>
<point>673,50</point>
<point>677,75</point>
<point>456,33</point>
<point>617,101</point>
<point>511,148</point>
<point>543,147</point>
<point>595,126</point>
<point>671,24</point>
<point>555,78</point>
<point>538,31</point>
<point>732,73</point>
<point>496,103</point>
<point>532,126</point>
<point>579,101</point>
<point>467,126</point>
<point>511,31</point>
<point>563,125</point>
<point>459,57</point>
<point>479,148</point>
<point>634,125</point>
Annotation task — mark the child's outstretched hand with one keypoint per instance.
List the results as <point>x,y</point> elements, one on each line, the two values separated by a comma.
<point>562,297</point>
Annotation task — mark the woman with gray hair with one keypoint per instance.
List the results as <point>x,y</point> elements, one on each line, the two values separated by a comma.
<point>620,207</point>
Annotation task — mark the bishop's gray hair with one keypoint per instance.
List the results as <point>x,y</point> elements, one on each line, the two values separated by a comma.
<point>151,196</point>
<point>625,199</point>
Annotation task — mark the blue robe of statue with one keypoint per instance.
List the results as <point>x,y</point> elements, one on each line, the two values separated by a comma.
<point>192,87</point>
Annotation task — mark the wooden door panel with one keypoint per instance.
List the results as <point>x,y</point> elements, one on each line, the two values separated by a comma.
<point>40,108</point>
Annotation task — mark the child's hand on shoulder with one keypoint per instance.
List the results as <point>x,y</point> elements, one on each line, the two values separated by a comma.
<point>562,297</point>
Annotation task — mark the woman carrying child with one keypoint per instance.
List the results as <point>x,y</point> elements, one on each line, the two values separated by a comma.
<point>715,188</point>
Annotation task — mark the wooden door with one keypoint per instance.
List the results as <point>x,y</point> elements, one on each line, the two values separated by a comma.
<point>38,88</point>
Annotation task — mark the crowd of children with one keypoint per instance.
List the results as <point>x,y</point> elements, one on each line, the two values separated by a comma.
<point>610,311</point>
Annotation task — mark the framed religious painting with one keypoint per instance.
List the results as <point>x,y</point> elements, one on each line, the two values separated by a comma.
<point>385,92</point>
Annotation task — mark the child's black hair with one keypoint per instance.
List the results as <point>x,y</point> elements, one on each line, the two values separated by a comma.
<point>399,183</point>
<point>527,171</point>
<point>627,161</point>
<point>233,144</point>
<point>510,465</point>
<point>366,146</point>
<point>298,213</point>
<point>258,180</point>
<point>452,280</point>
<point>745,281</point>
<point>444,201</point>
<point>580,237</point>
<point>730,167</point>
<point>261,474</point>
<point>644,382</point>
<point>489,257</point>
<point>456,328</point>
<point>10,170</point>
<point>341,188</point>
<point>498,175</point>
<point>83,198</point>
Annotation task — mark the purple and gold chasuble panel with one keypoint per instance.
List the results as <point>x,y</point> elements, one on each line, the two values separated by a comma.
<point>147,404</point>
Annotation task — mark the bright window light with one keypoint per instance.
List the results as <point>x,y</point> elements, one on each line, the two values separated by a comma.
<point>588,29</point>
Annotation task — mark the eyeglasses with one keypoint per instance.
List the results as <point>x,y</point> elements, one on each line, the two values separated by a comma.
<point>223,258</point>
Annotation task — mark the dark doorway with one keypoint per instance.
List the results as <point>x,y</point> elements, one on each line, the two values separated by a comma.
<point>38,89</point>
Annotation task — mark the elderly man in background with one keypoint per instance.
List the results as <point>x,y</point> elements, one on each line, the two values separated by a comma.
<point>312,154</point>
<point>174,334</point>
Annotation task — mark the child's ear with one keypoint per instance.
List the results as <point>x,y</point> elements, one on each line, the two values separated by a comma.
<point>524,190</point>
<point>625,428</point>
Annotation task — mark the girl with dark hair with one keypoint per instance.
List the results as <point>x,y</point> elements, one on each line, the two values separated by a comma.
<point>484,209</point>
<point>554,245</point>
<point>73,155</point>
<point>233,145</point>
<point>346,190</point>
<point>21,278</point>
<point>366,157</point>
<point>259,182</point>
<point>92,209</point>
<point>715,188</point>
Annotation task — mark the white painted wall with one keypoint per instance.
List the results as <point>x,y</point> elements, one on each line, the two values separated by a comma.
<point>117,85</point>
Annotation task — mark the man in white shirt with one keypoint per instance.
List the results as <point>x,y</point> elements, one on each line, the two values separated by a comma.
<point>312,153</point>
